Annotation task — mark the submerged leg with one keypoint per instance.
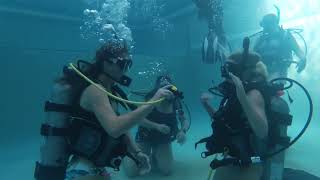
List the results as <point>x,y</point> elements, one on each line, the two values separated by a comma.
<point>164,158</point>
<point>253,172</point>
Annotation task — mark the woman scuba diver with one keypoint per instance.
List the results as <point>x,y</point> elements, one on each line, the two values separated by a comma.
<point>83,122</point>
<point>156,134</point>
<point>240,119</point>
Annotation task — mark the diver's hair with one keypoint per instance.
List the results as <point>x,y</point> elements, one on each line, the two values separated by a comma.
<point>252,63</point>
<point>151,93</point>
<point>262,70</point>
<point>112,48</point>
<point>251,58</point>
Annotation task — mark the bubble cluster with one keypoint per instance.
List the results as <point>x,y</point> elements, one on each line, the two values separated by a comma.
<point>108,20</point>
<point>149,12</point>
<point>153,69</point>
<point>162,26</point>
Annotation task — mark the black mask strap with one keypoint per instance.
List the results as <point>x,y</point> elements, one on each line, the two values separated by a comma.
<point>124,80</point>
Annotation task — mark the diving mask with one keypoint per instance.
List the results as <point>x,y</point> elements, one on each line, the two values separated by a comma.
<point>124,63</point>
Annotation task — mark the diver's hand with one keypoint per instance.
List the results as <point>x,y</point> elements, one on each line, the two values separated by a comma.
<point>205,97</point>
<point>181,137</point>
<point>164,129</point>
<point>301,65</point>
<point>241,93</point>
<point>163,92</point>
<point>144,163</point>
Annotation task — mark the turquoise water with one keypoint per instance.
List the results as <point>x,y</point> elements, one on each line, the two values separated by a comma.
<point>38,37</point>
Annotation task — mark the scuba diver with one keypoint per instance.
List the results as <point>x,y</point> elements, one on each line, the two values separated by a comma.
<point>275,45</point>
<point>215,47</point>
<point>241,116</point>
<point>249,130</point>
<point>83,132</point>
<point>156,134</point>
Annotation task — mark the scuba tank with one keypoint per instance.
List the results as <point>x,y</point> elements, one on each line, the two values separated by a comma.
<point>274,166</point>
<point>54,153</point>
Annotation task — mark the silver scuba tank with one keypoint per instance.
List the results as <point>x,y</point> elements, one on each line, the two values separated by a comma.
<point>54,153</point>
<point>54,149</point>
<point>274,166</point>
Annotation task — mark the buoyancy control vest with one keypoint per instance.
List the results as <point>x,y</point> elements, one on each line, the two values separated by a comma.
<point>232,134</point>
<point>275,49</point>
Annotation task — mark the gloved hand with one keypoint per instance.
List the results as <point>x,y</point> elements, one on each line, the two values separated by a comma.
<point>301,65</point>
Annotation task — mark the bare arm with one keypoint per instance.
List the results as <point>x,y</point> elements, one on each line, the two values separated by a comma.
<point>254,108</point>
<point>296,48</point>
<point>132,146</point>
<point>210,110</point>
<point>185,125</point>
<point>96,101</point>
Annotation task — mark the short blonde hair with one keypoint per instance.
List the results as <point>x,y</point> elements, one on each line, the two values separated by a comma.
<point>262,70</point>
<point>251,60</point>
